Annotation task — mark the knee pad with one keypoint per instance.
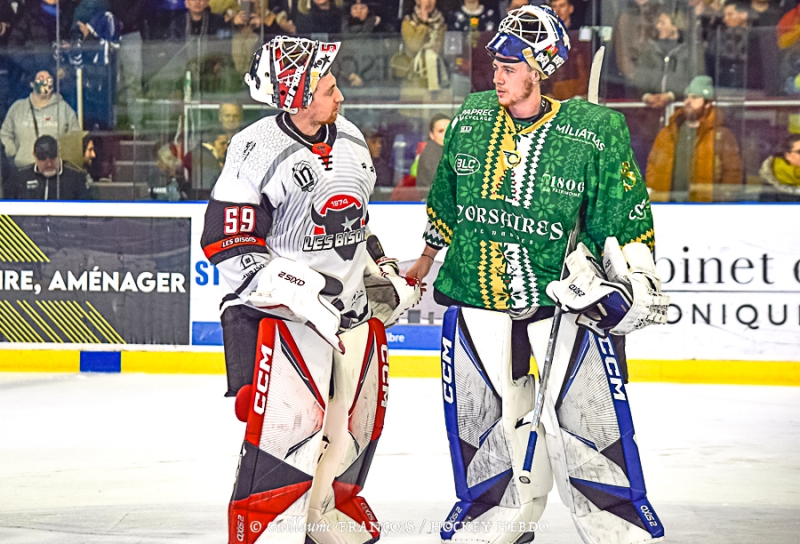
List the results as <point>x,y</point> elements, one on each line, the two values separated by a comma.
<point>285,412</point>
<point>353,425</point>
<point>482,403</point>
<point>591,441</point>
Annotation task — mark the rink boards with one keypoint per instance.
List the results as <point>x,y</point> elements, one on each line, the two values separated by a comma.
<point>125,287</point>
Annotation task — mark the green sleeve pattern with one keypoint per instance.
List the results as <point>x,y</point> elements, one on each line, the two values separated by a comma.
<point>441,206</point>
<point>617,202</point>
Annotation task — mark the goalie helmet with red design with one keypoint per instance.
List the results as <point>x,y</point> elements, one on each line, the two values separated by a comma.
<point>534,35</point>
<point>285,71</point>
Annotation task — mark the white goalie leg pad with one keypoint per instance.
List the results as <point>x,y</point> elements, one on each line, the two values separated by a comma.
<point>590,437</point>
<point>353,425</point>
<point>286,406</point>
<point>482,405</point>
<point>388,293</point>
<point>291,290</point>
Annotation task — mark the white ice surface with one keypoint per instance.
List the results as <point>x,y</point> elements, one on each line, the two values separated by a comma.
<point>131,458</point>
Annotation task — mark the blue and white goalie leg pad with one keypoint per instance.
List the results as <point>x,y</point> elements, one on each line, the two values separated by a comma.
<point>591,439</point>
<point>482,403</point>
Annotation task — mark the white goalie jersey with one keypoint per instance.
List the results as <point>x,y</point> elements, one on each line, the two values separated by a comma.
<point>284,194</point>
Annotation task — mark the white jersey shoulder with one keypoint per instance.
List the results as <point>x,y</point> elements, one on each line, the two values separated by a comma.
<point>249,155</point>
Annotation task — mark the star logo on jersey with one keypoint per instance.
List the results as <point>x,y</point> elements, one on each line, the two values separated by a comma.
<point>304,176</point>
<point>340,225</point>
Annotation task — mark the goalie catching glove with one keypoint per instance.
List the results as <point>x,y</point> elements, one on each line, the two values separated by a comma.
<point>622,296</point>
<point>389,294</point>
<point>291,290</point>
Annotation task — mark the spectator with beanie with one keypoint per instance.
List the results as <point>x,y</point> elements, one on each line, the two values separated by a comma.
<point>695,152</point>
<point>43,112</point>
<point>362,20</point>
<point>49,177</point>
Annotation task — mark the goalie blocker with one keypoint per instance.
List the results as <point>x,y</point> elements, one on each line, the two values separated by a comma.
<point>620,297</point>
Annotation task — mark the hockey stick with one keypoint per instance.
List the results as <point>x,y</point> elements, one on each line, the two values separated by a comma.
<point>593,94</point>
<point>535,416</point>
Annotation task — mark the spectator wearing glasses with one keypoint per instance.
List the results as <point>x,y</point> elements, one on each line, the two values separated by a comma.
<point>781,172</point>
<point>694,153</point>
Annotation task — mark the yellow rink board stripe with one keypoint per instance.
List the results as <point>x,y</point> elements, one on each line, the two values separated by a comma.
<point>406,365</point>
<point>181,362</point>
<point>40,360</point>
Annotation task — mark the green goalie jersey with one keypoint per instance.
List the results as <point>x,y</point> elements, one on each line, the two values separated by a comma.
<point>507,194</point>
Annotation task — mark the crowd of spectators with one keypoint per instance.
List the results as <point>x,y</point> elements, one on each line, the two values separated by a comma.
<point>431,51</point>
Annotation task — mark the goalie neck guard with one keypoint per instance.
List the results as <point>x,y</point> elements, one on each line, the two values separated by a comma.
<point>535,35</point>
<point>285,71</point>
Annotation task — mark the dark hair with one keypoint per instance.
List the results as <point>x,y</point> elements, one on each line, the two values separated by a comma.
<point>739,5</point>
<point>788,144</point>
<point>86,139</point>
<point>363,3</point>
<point>435,119</point>
<point>45,147</point>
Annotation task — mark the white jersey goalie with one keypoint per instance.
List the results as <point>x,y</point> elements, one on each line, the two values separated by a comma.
<point>306,356</point>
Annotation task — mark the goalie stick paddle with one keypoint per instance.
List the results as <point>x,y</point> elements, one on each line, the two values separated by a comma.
<point>535,416</point>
